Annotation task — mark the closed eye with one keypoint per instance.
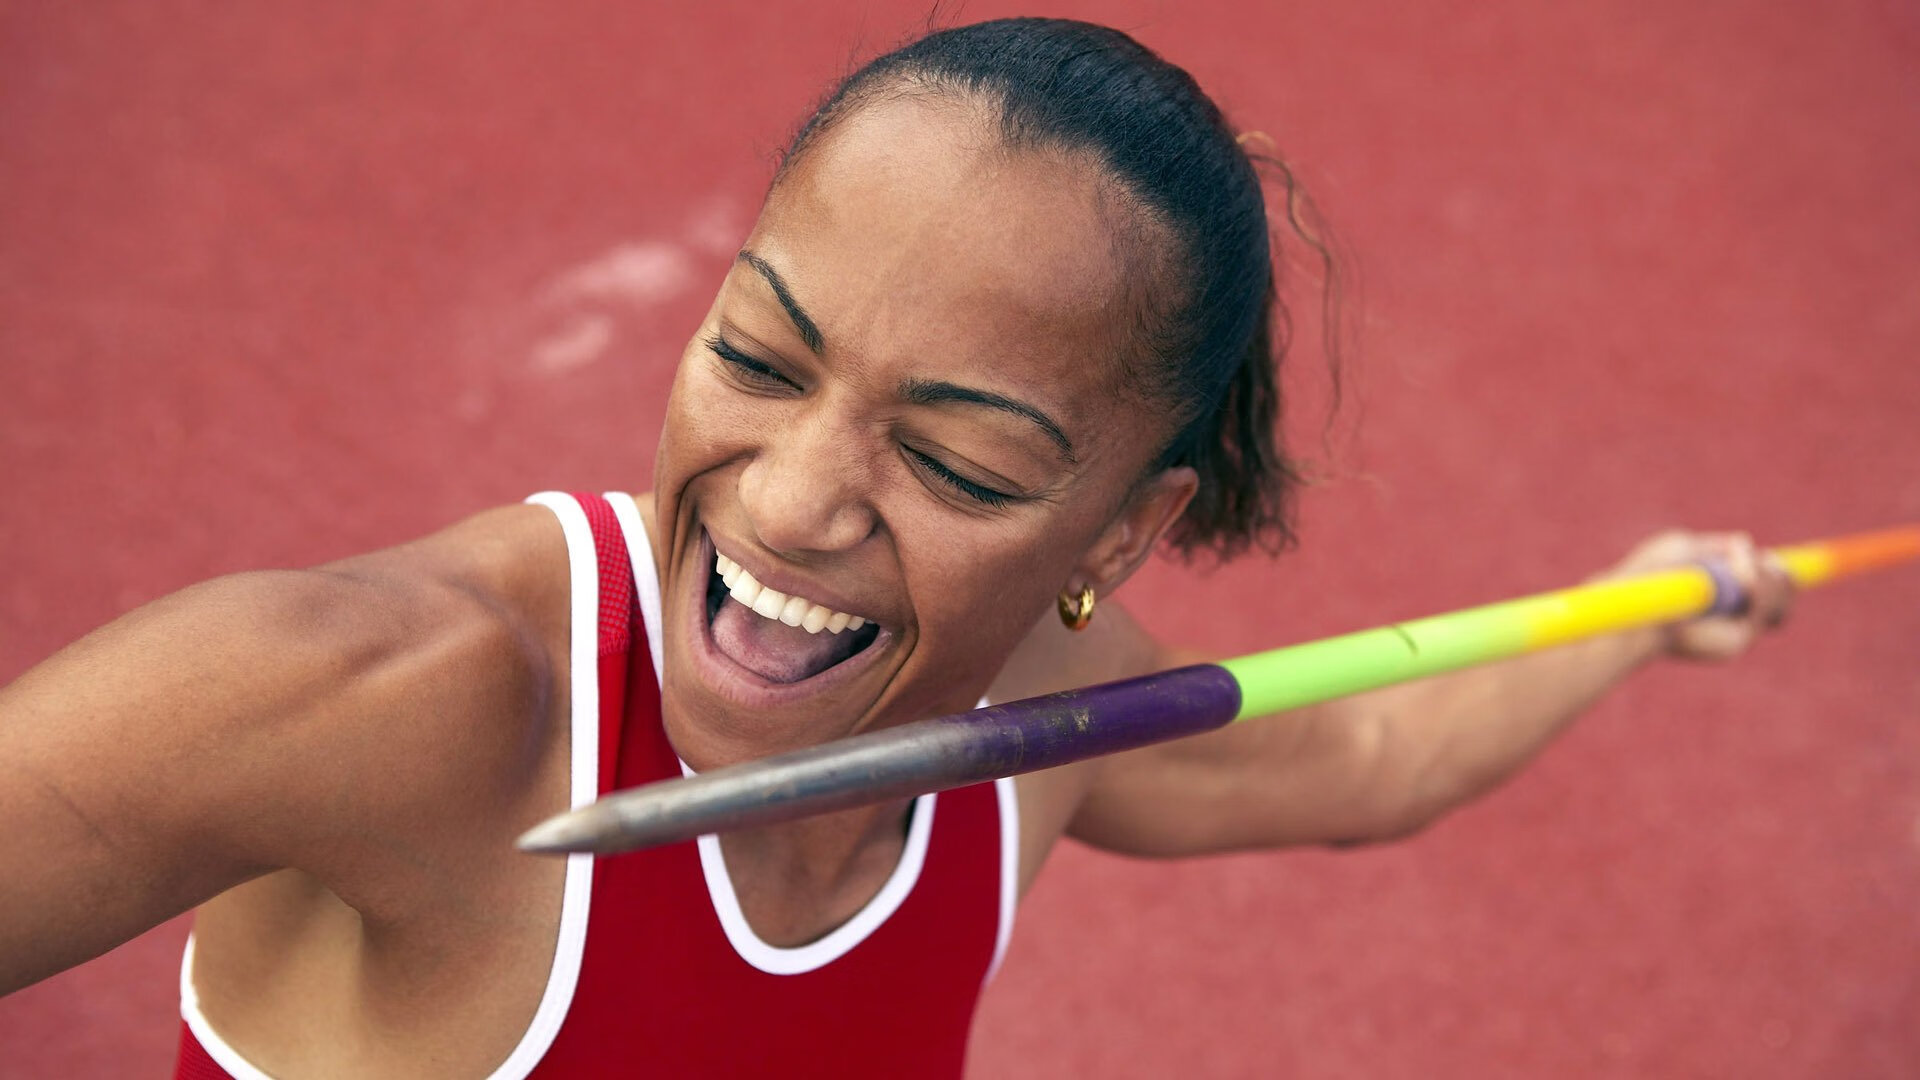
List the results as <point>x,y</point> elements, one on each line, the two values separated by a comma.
<point>954,480</point>
<point>746,367</point>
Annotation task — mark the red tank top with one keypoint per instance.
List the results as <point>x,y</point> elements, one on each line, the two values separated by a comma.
<point>655,971</point>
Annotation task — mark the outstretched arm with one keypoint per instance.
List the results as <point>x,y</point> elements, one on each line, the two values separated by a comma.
<point>1384,764</point>
<point>254,722</point>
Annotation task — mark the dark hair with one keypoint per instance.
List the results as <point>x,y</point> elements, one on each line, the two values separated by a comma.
<point>1214,350</point>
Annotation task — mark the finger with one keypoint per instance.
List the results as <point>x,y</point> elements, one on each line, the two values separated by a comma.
<point>1761,587</point>
<point>1716,639</point>
<point>1769,588</point>
<point>1777,590</point>
<point>1668,547</point>
<point>1729,559</point>
<point>1745,564</point>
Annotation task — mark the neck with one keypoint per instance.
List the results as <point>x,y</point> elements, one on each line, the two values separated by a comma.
<point>799,880</point>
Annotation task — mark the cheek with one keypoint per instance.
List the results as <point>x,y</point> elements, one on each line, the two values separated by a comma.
<point>975,602</point>
<point>978,592</point>
<point>706,423</point>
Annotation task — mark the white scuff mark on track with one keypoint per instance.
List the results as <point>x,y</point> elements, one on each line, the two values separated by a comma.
<point>579,341</point>
<point>716,228</point>
<point>584,302</point>
<point>638,274</point>
<point>587,307</point>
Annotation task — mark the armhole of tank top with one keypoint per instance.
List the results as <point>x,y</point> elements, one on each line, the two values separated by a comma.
<point>584,683</point>
<point>646,576</point>
<point>237,1067</point>
<point>1009,800</point>
<point>583,655</point>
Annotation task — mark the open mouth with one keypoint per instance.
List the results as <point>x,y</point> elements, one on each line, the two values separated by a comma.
<point>782,638</point>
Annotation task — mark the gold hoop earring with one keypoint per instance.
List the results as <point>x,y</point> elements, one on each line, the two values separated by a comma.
<point>1076,613</point>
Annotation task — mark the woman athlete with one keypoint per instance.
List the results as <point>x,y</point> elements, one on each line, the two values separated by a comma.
<point>1006,322</point>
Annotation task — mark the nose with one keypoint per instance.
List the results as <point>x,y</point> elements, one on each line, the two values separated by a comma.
<point>803,492</point>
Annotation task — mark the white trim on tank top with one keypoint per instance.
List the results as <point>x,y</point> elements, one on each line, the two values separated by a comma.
<point>841,940</point>
<point>646,576</point>
<point>774,959</point>
<point>216,1047</point>
<point>583,572</point>
<point>1009,800</point>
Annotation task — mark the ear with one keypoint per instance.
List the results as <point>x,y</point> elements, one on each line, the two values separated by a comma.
<point>1123,546</point>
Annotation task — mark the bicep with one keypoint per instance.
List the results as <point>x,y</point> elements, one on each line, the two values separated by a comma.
<point>121,768</point>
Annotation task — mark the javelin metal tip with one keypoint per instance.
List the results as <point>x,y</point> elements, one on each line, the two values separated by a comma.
<point>575,830</point>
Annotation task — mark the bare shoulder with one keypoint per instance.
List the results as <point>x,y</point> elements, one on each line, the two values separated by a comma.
<point>460,642</point>
<point>339,720</point>
<point>511,560</point>
<point>429,674</point>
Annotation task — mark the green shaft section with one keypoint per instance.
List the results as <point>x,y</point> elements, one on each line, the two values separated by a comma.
<point>1317,671</point>
<point>1282,679</point>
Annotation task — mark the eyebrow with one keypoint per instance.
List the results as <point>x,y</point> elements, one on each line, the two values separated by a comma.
<point>925,392</point>
<point>802,322</point>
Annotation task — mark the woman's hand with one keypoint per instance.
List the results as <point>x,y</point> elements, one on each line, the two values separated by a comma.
<point>1716,637</point>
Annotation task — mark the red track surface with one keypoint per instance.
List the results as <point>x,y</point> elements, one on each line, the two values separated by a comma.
<point>282,283</point>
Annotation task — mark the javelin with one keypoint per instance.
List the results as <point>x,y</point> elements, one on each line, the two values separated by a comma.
<point>1042,732</point>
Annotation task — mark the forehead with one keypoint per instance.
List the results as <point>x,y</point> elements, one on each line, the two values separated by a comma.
<point>908,229</point>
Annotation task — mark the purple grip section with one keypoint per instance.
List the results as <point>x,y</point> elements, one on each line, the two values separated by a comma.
<point>1729,597</point>
<point>912,759</point>
<point>1039,733</point>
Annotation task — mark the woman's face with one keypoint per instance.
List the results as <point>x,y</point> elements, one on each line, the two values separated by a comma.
<point>902,407</point>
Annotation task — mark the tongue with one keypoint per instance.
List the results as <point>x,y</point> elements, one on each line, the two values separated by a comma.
<point>772,649</point>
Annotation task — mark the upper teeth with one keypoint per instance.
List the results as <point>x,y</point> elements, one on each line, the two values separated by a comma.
<point>774,604</point>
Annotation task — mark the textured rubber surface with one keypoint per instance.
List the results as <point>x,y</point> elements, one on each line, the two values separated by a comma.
<point>283,282</point>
